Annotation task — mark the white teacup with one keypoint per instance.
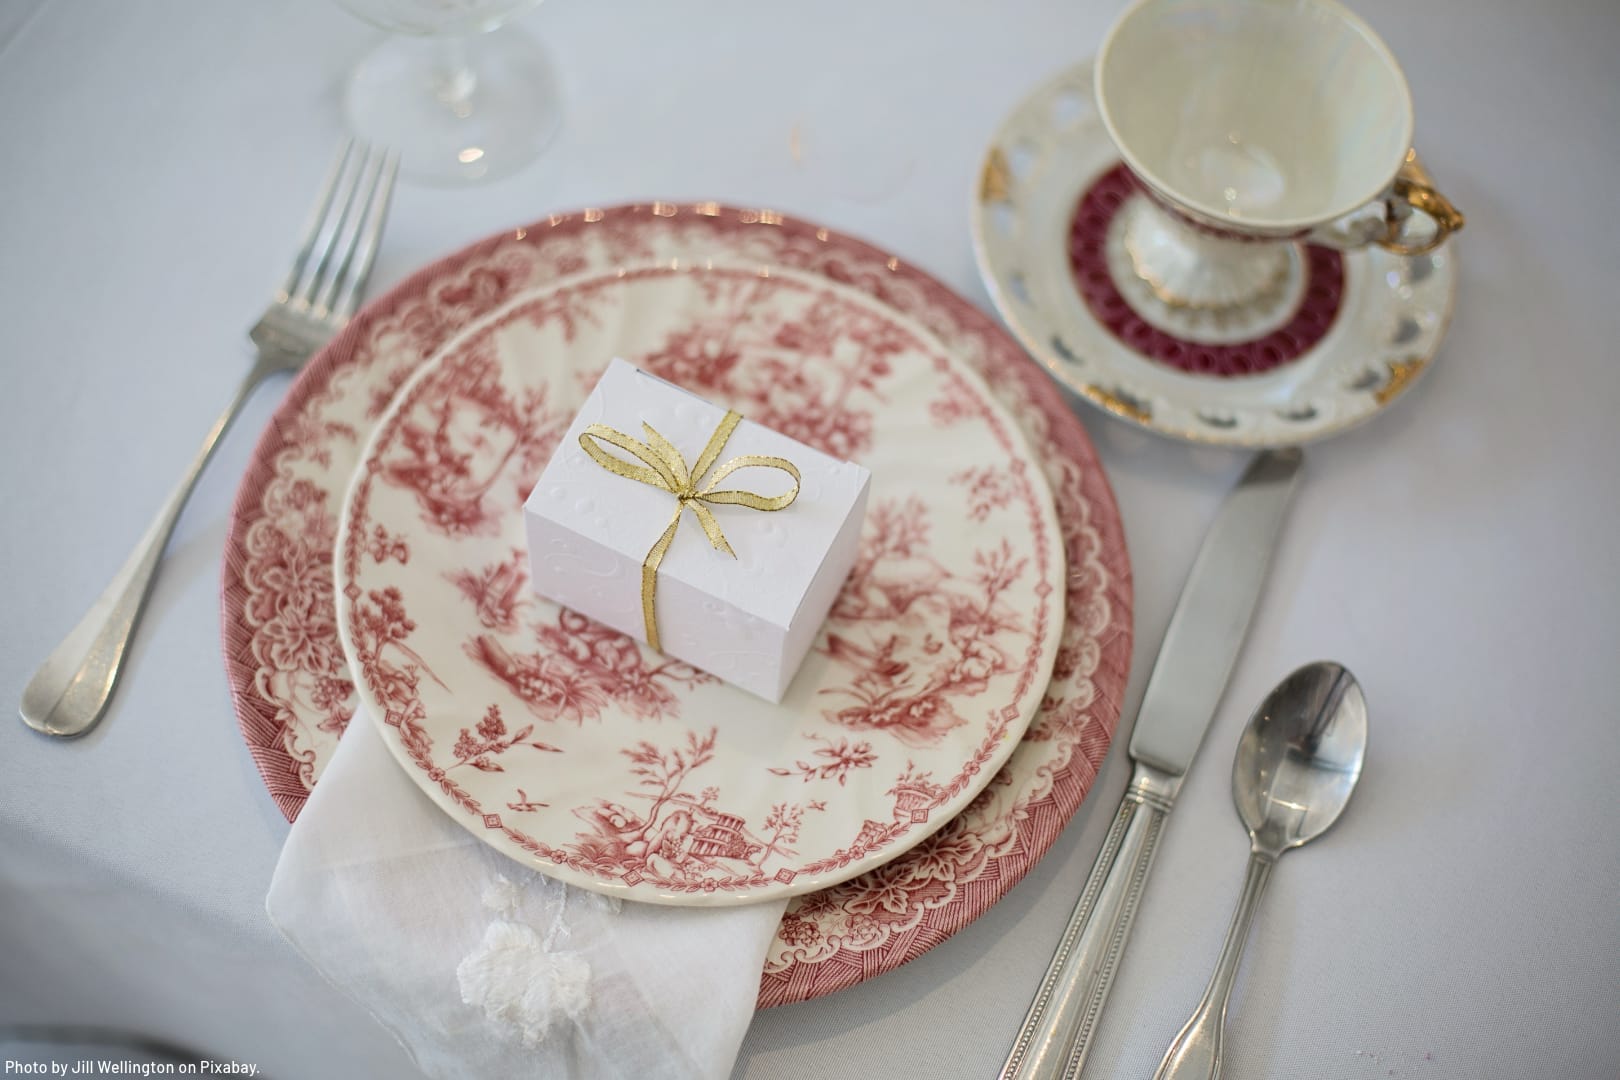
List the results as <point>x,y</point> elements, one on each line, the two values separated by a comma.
<point>1254,121</point>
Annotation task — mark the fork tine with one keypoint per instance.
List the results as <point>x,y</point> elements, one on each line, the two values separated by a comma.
<point>359,268</point>
<point>317,214</point>
<point>348,235</point>
<point>337,211</point>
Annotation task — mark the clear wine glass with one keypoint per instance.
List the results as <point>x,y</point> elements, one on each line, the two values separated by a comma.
<point>460,96</point>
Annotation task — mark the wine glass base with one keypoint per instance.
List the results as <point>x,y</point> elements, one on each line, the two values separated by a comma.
<point>458,110</point>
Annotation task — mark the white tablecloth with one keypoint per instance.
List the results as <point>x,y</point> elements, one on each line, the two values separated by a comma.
<point>1459,554</point>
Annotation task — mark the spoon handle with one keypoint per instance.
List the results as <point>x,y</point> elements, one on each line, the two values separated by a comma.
<point>1196,1053</point>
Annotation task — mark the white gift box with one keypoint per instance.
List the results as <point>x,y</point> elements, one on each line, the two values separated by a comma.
<point>748,620</point>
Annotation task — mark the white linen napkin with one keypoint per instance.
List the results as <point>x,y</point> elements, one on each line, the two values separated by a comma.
<point>481,967</point>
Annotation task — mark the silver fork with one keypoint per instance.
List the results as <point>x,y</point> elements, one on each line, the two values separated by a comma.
<point>69,693</point>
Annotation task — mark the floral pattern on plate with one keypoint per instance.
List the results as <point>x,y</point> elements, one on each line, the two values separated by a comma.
<point>655,781</point>
<point>290,710</point>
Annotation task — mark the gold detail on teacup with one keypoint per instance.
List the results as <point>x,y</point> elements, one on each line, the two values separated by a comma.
<point>1415,187</point>
<point>1401,375</point>
<point>995,184</point>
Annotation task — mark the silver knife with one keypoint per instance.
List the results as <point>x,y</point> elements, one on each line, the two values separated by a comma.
<point>1182,693</point>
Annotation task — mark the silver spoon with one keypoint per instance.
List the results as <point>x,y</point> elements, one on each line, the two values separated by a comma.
<point>1296,765</point>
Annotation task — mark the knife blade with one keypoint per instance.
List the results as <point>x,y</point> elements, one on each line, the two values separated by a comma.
<point>1185,687</point>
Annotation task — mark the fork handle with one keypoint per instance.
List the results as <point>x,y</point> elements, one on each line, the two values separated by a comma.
<point>1056,1034</point>
<point>69,693</point>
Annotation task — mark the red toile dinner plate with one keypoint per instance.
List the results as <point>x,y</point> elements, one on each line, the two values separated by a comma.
<point>294,692</point>
<point>583,754</point>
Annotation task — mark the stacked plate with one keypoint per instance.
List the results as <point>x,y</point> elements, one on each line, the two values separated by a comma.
<point>952,714</point>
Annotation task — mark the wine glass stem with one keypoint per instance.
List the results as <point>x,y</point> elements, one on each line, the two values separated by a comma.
<point>456,79</point>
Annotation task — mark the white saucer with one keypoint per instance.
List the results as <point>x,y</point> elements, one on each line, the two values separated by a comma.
<point>1341,338</point>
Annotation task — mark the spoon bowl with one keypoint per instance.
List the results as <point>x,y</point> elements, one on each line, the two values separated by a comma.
<point>1296,765</point>
<point>1300,757</point>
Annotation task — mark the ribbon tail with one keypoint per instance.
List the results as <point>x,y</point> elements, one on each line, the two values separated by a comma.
<point>711,528</point>
<point>649,579</point>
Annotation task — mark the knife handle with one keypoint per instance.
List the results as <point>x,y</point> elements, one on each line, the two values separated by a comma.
<point>1056,1033</point>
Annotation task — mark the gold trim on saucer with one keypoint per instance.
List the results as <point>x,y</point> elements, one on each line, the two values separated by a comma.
<point>995,184</point>
<point>1402,373</point>
<point>1118,404</point>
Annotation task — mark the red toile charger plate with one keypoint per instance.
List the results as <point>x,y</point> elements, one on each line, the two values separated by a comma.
<point>294,693</point>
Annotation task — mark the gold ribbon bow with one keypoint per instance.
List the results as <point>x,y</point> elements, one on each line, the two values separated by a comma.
<point>666,470</point>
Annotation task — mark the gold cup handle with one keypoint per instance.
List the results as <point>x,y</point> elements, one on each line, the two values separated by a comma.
<point>1414,188</point>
